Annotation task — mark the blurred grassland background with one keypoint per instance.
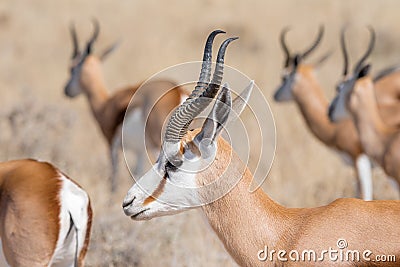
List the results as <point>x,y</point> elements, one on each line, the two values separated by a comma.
<point>36,120</point>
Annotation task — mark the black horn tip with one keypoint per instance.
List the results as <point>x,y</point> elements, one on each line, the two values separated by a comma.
<point>343,31</point>
<point>96,26</point>
<point>208,47</point>
<point>284,45</point>
<point>369,27</point>
<point>217,32</point>
<point>74,40</point>
<point>222,49</point>
<point>95,22</point>
<point>211,37</point>
<point>72,26</point>
<point>372,31</point>
<point>284,31</point>
<point>228,41</point>
<point>316,42</point>
<point>344,50</point>
<point>368,52</point>
<point>321,28</point>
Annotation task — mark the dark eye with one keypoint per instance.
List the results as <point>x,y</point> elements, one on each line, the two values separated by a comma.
<point>169,167</point>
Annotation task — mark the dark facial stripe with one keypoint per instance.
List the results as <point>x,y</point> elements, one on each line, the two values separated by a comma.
<point>157,192</point>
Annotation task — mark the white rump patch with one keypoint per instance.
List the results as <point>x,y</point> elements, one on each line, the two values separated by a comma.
<point>74,203</point>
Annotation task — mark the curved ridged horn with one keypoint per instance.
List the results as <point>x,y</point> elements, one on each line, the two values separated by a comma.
<point>182,117</point>
<point>344,52</point>
<point>74,41</point>
<point>368,52</point>
<point>89,46</point>
<point>284,45</point>
<point>316,42</point>
<point>205,72</point>
<point>213,87</point>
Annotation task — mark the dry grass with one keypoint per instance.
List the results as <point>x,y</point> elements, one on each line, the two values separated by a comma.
<point>37,121</point>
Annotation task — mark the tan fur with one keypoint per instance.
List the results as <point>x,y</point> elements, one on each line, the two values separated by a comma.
<point>381,141</point>
<point>245,222</point>
<point>314,107</point>
<point>29,212</point>
<point>387,90</point>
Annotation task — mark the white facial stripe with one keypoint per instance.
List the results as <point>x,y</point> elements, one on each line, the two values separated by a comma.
<point>74,201</point>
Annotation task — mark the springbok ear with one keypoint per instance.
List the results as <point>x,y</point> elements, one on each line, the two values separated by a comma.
<point>109,50</point>
<point>240,102</point>
<point>217,118</point>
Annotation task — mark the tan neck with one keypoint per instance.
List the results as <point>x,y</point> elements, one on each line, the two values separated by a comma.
<point>313,104</point>
<point>374,133</point>
<point>232,217</point>
<point>93,85</point>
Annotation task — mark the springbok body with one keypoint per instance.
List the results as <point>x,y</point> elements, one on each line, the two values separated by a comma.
<point>109,110</point>
<point>300,84</point>
<point>198,168</point>
<point>45,217</point>
<point>358,100</point>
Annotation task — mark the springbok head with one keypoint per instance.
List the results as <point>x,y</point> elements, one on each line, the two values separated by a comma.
<point>171,185</point>
<point>292,63</point>
<point>84,59</point>
<point>339,108</point>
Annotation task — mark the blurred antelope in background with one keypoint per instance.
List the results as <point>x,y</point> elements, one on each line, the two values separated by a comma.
<point>358,98</point>
<point>300,84</point>
<point>386,83</point>
<point>198,168</point>
<point>109,109</point>
<point>45,217</point>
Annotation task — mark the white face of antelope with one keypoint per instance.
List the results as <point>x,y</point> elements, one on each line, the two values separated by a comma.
<point>167,189</point>
<point>175,185</point>
<point>172,185</point>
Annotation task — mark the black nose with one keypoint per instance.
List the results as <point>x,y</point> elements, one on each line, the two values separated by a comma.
<point>127,204</point>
